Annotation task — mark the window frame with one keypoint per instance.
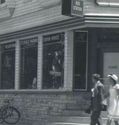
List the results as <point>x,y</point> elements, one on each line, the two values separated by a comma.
<point>17,71</point>
<point>39,66</point>
<point>1,44</point>
<point>59,42</point>
<point>20,45</point>
<point>86,82</point>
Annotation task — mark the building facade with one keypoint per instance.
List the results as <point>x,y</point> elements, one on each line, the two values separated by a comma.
<point>47,58</point>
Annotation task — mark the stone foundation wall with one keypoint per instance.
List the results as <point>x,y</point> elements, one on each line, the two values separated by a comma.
<point>36,107</point>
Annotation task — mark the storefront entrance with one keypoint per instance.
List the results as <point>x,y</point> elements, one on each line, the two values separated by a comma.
<point>111,63</point>
<point>110,66</point>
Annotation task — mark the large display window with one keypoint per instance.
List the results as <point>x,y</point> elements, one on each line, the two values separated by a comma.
<point>28,63</point>
<point>7,77</point>
<point>53,61</point>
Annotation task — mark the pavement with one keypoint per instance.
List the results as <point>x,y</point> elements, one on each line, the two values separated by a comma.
<point>74,124</point>
<point>81,121</point>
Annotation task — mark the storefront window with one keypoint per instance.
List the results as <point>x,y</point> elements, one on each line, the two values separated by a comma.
<point>53,61</point>
<point>7,66</point>
<point>80,58</point>
<point>28,66</point>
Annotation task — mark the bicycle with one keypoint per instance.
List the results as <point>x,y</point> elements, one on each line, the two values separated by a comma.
<point>9,114</point>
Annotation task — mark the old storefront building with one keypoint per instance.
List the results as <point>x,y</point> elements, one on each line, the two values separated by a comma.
<point>48,52</point>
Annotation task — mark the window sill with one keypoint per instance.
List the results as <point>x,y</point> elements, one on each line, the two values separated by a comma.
<point>30,91</point>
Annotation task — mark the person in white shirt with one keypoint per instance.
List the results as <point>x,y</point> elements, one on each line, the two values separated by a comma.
<point>112,100</point>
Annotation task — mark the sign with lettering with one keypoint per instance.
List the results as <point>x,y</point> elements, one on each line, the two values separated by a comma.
<point>77,8</point>
<point>29,41</point>
<point>8,46</point>
<point>54,37</point>
<point>72,8</point>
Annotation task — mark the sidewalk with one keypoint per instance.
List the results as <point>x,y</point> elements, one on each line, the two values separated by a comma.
<point>74,124</point>
<point>74,121</point>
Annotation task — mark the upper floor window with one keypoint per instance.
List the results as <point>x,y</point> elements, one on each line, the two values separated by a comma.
<point>2,1</point>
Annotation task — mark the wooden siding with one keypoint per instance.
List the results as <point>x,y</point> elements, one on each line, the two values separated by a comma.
<point>33,13</point>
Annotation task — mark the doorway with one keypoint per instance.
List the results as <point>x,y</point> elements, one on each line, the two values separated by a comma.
<point>111,63</point>
<point>110,66</point>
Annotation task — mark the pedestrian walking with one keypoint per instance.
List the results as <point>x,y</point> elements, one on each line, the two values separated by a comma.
<point>113,99</point>
<point>96,100</point>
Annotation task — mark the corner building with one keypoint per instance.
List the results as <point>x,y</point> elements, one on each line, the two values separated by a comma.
<point>47,58</point>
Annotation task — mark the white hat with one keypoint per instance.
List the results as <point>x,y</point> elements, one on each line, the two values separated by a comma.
<point>114,77</point>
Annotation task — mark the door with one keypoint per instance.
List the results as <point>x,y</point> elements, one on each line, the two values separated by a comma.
<point>110,65</point>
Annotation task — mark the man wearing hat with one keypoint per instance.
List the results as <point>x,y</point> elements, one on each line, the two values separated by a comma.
<point>113,107</point>
<point>96,100</point>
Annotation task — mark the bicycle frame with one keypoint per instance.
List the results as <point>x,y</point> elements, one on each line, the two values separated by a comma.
<point>8,113</point>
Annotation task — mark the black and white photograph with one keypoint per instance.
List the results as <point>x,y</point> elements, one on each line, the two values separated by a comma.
<point>59,62</point>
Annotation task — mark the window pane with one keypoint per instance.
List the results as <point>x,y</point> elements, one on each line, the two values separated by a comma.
<point>53,61</point>
<point>7,66</point>
<point>28,68</point>
<point>80,55</point>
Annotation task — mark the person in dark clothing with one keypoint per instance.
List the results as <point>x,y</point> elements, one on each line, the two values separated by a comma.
<point>96,100</point>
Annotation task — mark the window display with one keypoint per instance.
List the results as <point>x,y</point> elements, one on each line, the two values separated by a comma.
<point>53,61</point>
<point>28,66</point>
<point>7,66</point>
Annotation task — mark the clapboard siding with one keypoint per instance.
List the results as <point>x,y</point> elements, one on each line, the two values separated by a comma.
<point>31,13</point>
<point>37,18</point>
<point>30,6</point>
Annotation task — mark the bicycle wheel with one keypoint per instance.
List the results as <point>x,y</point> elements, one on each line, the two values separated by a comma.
<point>10,115</point>
<point>1,118</point>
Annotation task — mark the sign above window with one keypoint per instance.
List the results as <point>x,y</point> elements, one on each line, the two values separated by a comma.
<point>108,2</point>
<point>54,37</point>
<point>72,8</point>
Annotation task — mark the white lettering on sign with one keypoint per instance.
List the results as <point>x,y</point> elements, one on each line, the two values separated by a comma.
<point>77,8</point>
<point>55,37</point>
<point>29,41</point>
<point>8,46</point>
<point>77,3</point>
